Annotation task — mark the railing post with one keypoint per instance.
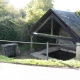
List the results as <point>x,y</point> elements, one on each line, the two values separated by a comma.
<point>78,51</point>
<point>47,50</point>
<point>31,45</point>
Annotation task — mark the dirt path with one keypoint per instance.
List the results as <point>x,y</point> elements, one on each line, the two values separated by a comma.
<point>25,55</point>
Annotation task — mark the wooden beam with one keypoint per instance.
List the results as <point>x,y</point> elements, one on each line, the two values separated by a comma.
<point>52,26</point>
<point>43,23</point>
<point>31,45</point>
<point>54,36</point>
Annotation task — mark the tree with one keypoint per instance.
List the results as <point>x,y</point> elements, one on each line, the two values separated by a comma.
<point>11,22</point>
<point>43,4</point>
<point>36,8</point>
<point>23,13</point>
<point>78,13</point>
<point>40,4</point>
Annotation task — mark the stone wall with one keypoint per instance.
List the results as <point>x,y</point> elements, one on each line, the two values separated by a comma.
<point>65,34</point>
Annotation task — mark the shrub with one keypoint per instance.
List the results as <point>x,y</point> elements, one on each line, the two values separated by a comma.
<point>7,31</point>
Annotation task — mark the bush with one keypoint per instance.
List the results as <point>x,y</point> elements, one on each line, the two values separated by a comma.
<point>7,31</point>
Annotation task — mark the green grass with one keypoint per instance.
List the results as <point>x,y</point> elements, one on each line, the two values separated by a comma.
<point>36,47</point>
<point>51,62</point>
<point>24,47</point>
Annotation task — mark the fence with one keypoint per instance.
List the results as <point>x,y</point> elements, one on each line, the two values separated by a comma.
<point>47,45</point>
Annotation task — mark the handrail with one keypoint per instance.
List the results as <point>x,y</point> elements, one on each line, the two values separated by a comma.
<point>37,43</point>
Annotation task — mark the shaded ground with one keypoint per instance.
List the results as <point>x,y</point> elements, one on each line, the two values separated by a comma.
<point>22,55</point>
<point>25,52</point>
<point>25,55</point>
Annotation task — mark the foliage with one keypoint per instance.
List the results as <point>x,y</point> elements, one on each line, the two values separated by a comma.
<point>15,24</point>
<point>40,4</point>
<point>7,31</point>
<point>23,13</point>
<point>8,10</point>
<point>11,23</point>
<point>36,8</point>
<point>34,15</point>
<point>78,13</point>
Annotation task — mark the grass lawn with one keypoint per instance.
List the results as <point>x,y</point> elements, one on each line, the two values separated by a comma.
<point>51,63</point>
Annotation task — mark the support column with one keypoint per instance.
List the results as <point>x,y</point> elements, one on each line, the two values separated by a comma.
<point>47,50</point>
<point>31,45</point>
<point>78,51</point>
<point>51,26</point>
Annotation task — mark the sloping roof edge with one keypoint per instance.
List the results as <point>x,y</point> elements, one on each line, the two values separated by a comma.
<point>49,12</point>
<point>40,20</point>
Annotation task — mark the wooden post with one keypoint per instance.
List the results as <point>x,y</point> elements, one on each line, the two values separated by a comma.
<point>44,22</point>
<point>51,26</point>
<point>78,51</point>
<point>47,50</point>
<point>31,45</point>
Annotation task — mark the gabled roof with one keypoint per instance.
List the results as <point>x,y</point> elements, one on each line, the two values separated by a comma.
<point>69,19</point>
